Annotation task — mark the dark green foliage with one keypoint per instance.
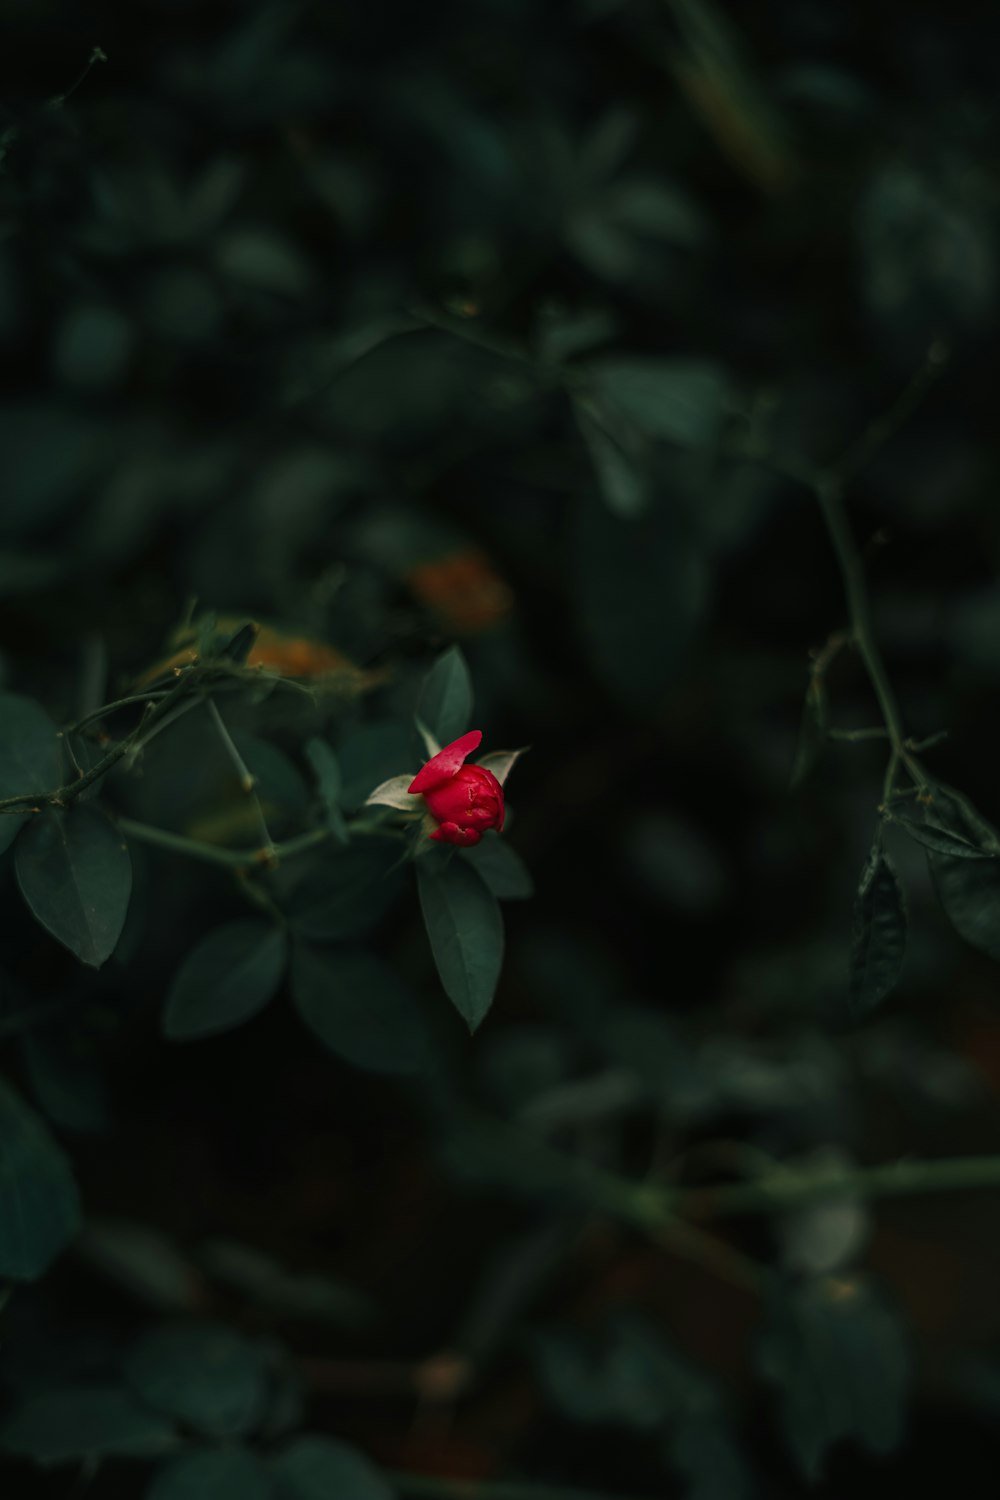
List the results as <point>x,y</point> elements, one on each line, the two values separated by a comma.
<point>969,891</point>
<point>215,1474</point>
<point>445,703</point>
<point>312,1468</point>
<point>501,867</point>
<point>878,936</point>
<point>30,759</point>
<point>358,1007</point>
<point>326,769</point>
<point>65,1426</point>
<point>465,930</point>
<point>39,1206</point>
<point>837,1357</point>
<point>226,979</point>
<point>204,1376</point>
<point>76,876</point>
<point>641,585</point>
<point>346,892</point>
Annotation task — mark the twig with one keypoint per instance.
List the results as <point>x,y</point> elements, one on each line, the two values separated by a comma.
<point>216,854</point>
<point>247,780</point>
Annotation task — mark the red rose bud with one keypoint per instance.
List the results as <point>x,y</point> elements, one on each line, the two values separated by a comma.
<point>463,800</point>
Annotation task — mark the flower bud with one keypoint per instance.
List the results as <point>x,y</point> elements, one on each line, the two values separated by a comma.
<point>463,800</point>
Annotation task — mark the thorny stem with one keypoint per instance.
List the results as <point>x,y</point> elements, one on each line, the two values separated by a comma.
<point>161,708</point>
<point>247,780</point>
<point>829,493</point>
<point>62,796</point>
<point>110,708</point>
<point>828,485</point>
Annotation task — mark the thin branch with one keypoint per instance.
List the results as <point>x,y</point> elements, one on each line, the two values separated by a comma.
<point>110,708</point>
<point>217,854</point>
<point>652,1208</point>
<point>791,1189</point>
<point>856,736</point>
<point>861,452</point>
<point>247,780</point>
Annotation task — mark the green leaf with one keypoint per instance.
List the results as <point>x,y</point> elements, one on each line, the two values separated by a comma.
<point>969,891</point>
<point>30,757</point>
<point>658,209</point>
<point>39,1204</point>
<point>85,1422</point>
<point>347,891</point>
<point>836,1354</point>
<point>142,1263</point>
<point>76,876</point>
<point>962,849</point>
<point>326,769</point>
<point>878,938</point>
<point>502,868</point>
<point>626,1375</point>
<point>287,1294</point>
<point>618,464</point>
<point>204,1375</point>
<point>949,809</point>
<point>941,840</point>
<point>641,590</point>
<point>681,401</point>
<point>318,1468</point>
<point>227,978</point>
<point>278,779</point>
<point>949,824</point>
<point>445,704</point>
<point>465,930</point>
<point>359,1008</point>
<point>501,762</point>
<point>239,645</point>
<point>372,755</point>
<point>213,1474</point>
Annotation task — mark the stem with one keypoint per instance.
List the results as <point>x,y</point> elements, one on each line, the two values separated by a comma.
<point>830,496</point>
<point>110,708</point>
<point>178,843</point>
<point>855,736</point>
<point>790,1189</point>
<point>158,714</point>
<point>97,54</point>
<point>216,854</point>
<point>850,464</point>
<point>541,1168</point>
<point>247,780</point>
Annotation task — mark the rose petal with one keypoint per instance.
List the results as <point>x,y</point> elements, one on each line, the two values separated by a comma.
<point>447,761</point>
<point>450,833</point>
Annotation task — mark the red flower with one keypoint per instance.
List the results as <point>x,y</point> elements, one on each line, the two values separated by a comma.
<point>463,800</point>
